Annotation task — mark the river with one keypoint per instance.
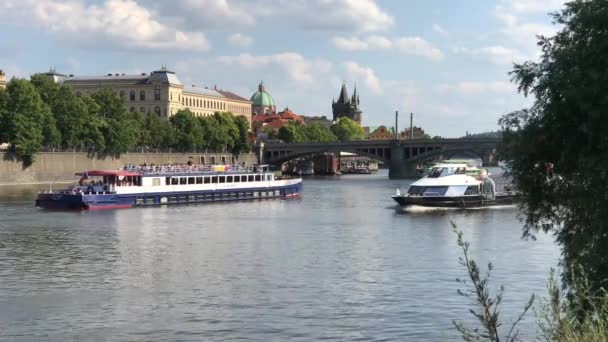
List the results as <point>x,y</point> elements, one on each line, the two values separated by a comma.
<point>340,263</point>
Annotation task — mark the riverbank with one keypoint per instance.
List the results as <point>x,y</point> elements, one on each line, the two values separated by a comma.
<point>59,167</point>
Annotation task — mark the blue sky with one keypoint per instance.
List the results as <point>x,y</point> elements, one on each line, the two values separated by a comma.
<point>445,61</point>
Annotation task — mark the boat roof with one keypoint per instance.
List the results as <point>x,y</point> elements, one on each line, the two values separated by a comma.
<point>450,180</point>
<point>108,173</point>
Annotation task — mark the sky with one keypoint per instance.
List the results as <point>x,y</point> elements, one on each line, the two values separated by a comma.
<point>445,61</point>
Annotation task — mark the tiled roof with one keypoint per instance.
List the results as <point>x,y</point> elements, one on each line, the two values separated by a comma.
<point>202,91</point>
<point>232,96</point>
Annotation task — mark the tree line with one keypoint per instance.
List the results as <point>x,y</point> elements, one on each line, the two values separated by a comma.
<point>40,113</point>
<point>344,129</point>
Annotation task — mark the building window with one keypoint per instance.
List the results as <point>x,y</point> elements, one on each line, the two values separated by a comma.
<point>171,96</point>
<point>132,109</point>
<point>142,109</point>
<point>142,95</point>
<point>157,110</point>
<point>122,94</point>
<point>157,92</point>
<point>78,93</point>
<point>132,95</point>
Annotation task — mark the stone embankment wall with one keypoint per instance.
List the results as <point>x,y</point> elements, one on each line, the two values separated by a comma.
<point>59,167</point>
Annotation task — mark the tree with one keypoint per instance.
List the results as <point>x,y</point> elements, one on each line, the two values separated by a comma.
<point>24,117</point>
<point>242,143</point>
<point>558,149</point>
<point>272,133</point>
<point>347,130</point>
<point>188,131</point>
<point>316,132</point>
<point>292,132</point>
<point>119,128</point>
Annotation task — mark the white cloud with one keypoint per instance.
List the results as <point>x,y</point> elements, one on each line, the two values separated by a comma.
<point>415,46</point>
<point>475,88</point>
<point>438,29</point>
<point>120,23</point>
<point>240,40</point>
<point>533,6</point>
<point>203,14</point>
<point>520,19</point>
<point>366,74</point>
<point>341,15</point>
<point>297,67</point>
<point>497,54</point>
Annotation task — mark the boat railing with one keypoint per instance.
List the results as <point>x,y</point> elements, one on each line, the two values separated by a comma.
<point>188,169</point>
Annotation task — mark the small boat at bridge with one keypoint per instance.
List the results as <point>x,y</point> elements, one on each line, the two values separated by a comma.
<point>134,186</point>
<point>454,185</point>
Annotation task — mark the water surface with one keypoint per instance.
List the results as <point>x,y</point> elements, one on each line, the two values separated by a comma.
<point>338,264</point>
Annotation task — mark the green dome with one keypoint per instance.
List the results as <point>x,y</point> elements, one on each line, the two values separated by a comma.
<point>262,97</point>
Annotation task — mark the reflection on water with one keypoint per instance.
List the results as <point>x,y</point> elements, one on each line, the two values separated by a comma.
<point>340,263</point>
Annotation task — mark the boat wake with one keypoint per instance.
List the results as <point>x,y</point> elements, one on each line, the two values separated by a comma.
<point>424,209</point>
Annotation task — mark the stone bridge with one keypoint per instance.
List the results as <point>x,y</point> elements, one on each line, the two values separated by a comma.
<point>401,156</point>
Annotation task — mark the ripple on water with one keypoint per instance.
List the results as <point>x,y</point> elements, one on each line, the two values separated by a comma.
<point>339,264</point>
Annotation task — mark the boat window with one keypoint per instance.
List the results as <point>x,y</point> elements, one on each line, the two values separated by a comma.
<point>440,172</point>
<point>199,180</point>
<point>174,181</point>
<point>155,181</point>
<point>228,179</point>
<point>214,179</point>
<point>268,177</point>
<point>258,178</point>
<point>167,180</point>
<point>191,180</point>
<point>250,178</point>
<point>222,179</point>
<point>243,179</point>
<point>237,179</point>
<point>435,190</point>
<point>207,180</point>
<point>416,190</point>
<point>183,180</point>
<point>472,190</point>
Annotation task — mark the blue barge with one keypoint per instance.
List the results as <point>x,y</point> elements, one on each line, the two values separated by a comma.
<point>167,185</point>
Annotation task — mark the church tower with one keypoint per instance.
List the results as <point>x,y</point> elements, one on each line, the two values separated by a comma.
<point>347,106</point>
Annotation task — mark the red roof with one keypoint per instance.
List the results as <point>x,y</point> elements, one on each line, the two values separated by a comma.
<point>289,115</point>
<point>277,123</point>
<point>108,173</point>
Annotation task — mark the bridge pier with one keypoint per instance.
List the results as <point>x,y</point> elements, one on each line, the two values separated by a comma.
<point>398,166</point>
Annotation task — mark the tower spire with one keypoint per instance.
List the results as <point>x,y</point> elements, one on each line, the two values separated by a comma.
<point>343,98</point>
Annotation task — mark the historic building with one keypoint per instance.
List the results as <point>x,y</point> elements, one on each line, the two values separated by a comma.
<point>262,102</point>
<point>322,120</point>
<point>381,133</point>
<point>347,106</point>
<point>160,92</point>
<point>2,79</point>
<point>274,120</point>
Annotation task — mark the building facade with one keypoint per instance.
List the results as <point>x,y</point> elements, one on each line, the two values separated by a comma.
<point>2,79</point>
<point>159,92</point>
<point>386,133</point>
<point>347,106</point>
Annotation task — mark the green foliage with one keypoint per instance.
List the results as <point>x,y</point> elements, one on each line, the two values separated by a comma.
<point>24,116</point>
<point>119,127</point>
<point>41,112</point>
<point>487,305</point>
<point>272,133</point>
<point>584,319</point>
<point>189,134</point>
<point>558,149</point>
<point>242,143</point>
<point>347,130</point>
<point>292,132</point>
<point>319,133</point>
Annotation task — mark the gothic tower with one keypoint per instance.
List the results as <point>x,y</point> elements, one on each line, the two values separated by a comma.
<point>347,106</point>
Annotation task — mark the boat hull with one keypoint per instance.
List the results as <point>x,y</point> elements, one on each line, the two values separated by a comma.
<point>453,202</point>
<point>101,201</point>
